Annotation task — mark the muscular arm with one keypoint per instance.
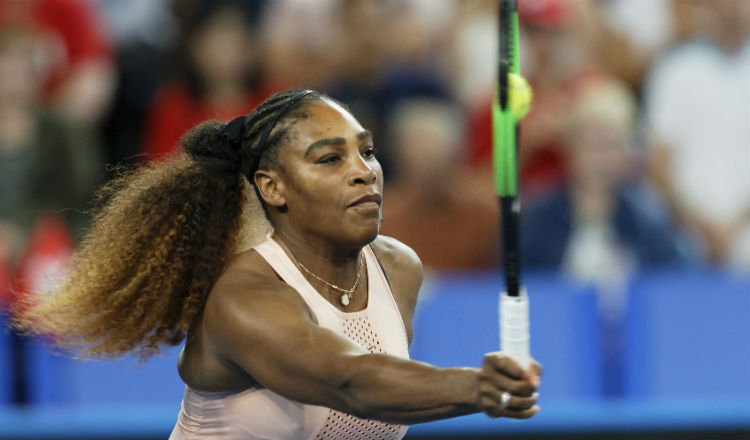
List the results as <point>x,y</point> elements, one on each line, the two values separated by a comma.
<point>263,326</point>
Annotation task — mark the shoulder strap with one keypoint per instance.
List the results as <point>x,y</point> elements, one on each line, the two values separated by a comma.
<point>382,269</point>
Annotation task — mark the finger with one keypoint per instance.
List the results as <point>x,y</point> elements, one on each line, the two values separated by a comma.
<point>496,411</point>
<point>523,414</point>
<point>488,405</point>
<point>533,374</point>
<point>535,367</point>
<point>490,402</point>
<point>521,403</point>
<point>516,403</point>
<point>487,389</point>
<point>504,364</point>
<point>501,382</point>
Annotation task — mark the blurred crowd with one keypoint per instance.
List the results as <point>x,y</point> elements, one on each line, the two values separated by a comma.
<point>634,154</point>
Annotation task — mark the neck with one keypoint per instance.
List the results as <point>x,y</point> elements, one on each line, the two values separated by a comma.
<point>338,264</point>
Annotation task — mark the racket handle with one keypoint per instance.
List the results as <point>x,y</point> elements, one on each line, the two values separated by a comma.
<point>514,327</point>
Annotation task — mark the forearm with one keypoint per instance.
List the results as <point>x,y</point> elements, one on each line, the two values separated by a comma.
<point>401,391</point>
<point>317,366</point>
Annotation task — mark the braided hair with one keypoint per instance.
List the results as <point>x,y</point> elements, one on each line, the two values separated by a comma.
<point>161,239</point>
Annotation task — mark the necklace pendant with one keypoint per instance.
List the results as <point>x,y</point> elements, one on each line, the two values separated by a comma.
<point>345,300</point>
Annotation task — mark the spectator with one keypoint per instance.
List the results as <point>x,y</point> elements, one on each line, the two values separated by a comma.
<point>696,100</point>
<point>435,204</point>
<point>81,76</point>
<point>217,78</point>
<point>48,165</point>
<point>605,222</point>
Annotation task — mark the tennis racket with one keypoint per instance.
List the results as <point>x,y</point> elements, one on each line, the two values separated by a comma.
<point>514,303</point>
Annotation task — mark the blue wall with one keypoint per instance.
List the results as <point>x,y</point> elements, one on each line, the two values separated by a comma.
<point>687,335</point>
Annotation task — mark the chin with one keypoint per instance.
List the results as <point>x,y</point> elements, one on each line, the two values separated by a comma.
<point>373,236</point>
<point>365,234</point>
<point>370,235</point>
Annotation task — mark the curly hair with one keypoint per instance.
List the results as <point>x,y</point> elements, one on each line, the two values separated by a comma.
<point>161,239</point>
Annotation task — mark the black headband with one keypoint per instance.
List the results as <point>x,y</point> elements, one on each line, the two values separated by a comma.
<point>232,134</point>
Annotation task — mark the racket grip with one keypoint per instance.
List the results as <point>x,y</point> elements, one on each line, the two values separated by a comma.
<point>514,327</point>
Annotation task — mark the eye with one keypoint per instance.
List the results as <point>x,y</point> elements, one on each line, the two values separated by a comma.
<point>369,153</point>
<point>328,158</point>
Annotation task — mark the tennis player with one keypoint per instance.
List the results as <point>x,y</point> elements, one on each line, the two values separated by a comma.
<point>302,336</point>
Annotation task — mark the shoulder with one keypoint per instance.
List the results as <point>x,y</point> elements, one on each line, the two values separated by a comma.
<point>398,259</point>
<point>248,277</point>
<point>250,297</point>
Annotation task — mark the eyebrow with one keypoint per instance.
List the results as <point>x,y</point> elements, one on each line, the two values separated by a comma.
<point>323,142</point>
<point>335,141</point>
<point>367,134</point>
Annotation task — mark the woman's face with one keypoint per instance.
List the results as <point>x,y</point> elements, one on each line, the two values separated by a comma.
<point>329,179</point>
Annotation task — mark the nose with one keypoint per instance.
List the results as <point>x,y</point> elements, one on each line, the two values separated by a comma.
<point>362,172</point>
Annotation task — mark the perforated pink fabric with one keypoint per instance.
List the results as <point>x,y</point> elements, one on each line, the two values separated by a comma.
<point>339,425</point>
<point>359,329</point>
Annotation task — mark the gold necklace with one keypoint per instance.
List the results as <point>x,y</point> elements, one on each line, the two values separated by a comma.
<point>346,293</point>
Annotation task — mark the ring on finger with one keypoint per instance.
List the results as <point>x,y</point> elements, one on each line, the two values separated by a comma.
<point>505,399</point>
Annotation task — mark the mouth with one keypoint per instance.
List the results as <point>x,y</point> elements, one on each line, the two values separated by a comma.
<point>368,201</point>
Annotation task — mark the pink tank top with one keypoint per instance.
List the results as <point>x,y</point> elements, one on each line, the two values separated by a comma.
<point>259,413</point>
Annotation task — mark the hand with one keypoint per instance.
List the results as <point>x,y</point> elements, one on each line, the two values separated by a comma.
<point>499,374</point>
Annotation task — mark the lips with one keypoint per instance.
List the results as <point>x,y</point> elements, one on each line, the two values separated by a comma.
<point>370,199</point>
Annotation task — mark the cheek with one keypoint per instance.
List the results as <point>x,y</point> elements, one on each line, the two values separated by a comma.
<point>312,193</point>
<point>379,173</point>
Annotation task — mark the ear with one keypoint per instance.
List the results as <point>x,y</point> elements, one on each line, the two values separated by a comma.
<point>271,187</point>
